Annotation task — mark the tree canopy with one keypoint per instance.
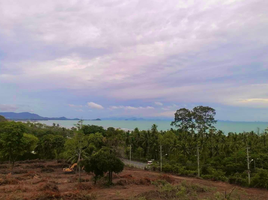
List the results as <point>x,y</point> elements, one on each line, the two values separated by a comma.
<point>103,161</point>
<point>200,118</point>
<point>12,142</point>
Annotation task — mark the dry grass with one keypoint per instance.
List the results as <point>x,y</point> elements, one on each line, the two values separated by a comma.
<point>40,184</point>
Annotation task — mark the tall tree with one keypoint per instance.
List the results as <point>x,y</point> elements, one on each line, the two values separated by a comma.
<point>204,117</point>
<point>103,161</point>
<point>11,141</point>
<point>75,149</point>
<point>183,119</point>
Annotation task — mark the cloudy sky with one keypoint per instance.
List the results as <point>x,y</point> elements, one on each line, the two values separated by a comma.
<point>142,58</point>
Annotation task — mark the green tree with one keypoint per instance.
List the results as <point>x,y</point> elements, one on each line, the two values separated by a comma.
<point>11,141</point>
<point>139,152</point>
<point>260,179</point>
<point>96,139</point>
<point>92,129</point>
<point>75,149</point>
<point>45,147</point>
<point>114,139</point>
<point>204,117</point>
<point>58,143</point>
<point>30,142</point>
<point>103,161</point>
<point>183,119</point>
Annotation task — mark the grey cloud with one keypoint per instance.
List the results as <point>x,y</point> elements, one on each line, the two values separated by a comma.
<point>210,51</point>
<point>8,108</point>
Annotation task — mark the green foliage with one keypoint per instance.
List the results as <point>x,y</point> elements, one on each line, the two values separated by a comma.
<point>92,129</point>
<point>50,146</point>
<point>103,161</point>
<point>183,119</point>
<point>239,179</point>
<point>214,174</point>
<point>96,139</point>
<point>180,191</point>
<point>12,141</point>
<point>260,179</point>
<point>75,147</point>
<point>201,117</point>
<point>221,157</point>
<point>30,141</point>
<point>204,117</point>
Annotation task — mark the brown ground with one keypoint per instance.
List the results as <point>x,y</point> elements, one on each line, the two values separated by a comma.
<point>45,180</point>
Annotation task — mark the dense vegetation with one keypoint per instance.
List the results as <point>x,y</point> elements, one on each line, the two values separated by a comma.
<point>193,148</point>
<point>82,145</point>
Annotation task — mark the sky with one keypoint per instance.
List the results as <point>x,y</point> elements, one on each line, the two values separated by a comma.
<point>134,58</point>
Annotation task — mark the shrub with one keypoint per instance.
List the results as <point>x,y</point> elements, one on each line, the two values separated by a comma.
<point>214,174</point>
<point>260,179</point>
<point>239,179</point>
<point>168,168</point>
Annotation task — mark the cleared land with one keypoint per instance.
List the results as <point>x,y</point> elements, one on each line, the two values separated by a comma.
<point>45,180</point>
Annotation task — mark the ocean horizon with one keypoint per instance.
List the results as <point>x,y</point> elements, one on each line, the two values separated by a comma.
<point>162,125</point>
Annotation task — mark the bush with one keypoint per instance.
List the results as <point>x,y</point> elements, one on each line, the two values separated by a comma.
<point>181,170</point>
<point>168,168</point>
<point>260,179</point>
<point>169,191</point>
<point>239,179</point>
<point>213,174</point>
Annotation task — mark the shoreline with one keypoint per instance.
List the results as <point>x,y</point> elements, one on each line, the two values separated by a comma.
<point>226,127</point>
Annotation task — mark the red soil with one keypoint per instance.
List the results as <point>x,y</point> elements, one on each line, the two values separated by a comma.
<point>45,180</point>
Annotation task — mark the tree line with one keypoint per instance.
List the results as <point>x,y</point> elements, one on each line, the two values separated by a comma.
<point>91,147</point>
<point>193,147</point>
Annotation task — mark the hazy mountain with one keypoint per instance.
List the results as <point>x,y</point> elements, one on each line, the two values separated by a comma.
<point>30,116</point>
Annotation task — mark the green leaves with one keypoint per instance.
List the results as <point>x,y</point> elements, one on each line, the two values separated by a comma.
<point>103,161</point>
<point>76,146</point>
<point>201,117</point>
<point>14,142</point>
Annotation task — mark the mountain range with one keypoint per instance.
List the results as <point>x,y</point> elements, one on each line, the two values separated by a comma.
<point>30,116</point>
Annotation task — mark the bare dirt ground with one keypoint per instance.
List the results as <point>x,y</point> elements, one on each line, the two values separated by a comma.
<point>42,180</point>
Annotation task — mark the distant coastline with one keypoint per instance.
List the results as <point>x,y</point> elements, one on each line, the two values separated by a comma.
<point>226,127</point>
<point>26,116</point>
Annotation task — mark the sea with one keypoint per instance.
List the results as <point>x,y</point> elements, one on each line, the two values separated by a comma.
<point>225,126</point>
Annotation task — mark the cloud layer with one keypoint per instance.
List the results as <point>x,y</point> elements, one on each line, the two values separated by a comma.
<point>126,55</point>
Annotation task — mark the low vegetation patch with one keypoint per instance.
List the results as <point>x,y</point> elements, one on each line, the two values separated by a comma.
<point>83,186</point>
<point>166,190</point>
<point>50,186</point>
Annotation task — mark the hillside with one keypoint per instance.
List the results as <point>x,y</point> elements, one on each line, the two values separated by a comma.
<point>30,116</point>
<point>39,180</point>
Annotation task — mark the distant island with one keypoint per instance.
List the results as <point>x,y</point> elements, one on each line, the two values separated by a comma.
<point>31,116</point>
<point>98,119</point>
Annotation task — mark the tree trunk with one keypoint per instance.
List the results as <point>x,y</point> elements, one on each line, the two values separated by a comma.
<point>79,167</point>
<point>110,177</point>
